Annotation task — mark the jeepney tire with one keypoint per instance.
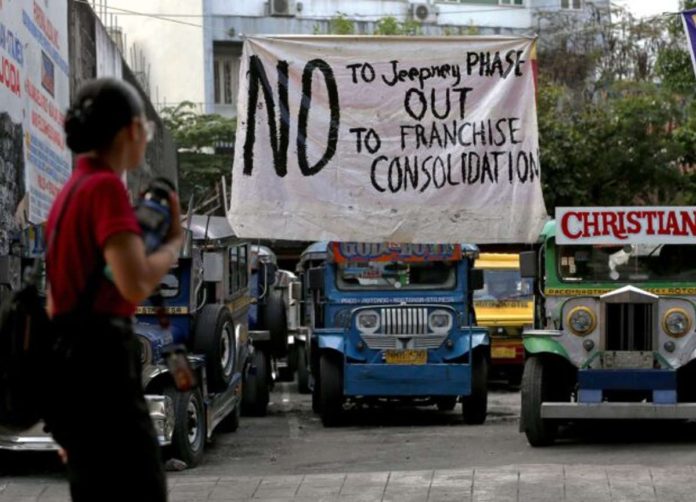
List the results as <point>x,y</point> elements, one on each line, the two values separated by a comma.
<point>475,406</point>
<point>446,403</point>
<point>215,338</point>
<point>331,389</point>
<point>302,369</point>
<point>535,389</point>
<point>231,422</point>
<point>256,387</point>
<point>316,397</point>
<point>189,414</point>
<point>275,320</point>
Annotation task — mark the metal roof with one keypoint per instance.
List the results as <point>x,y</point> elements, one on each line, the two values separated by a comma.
<point>210,227</point>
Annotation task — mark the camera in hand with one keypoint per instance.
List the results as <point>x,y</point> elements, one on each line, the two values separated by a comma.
<point>154,213</point>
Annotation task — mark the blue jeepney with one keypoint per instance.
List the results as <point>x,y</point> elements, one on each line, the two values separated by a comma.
<point>394,322</point>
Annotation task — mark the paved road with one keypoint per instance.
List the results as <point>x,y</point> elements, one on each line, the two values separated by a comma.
<point>411,454</point>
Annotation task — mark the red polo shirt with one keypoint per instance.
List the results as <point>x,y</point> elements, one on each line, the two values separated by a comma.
<point>97,209</point>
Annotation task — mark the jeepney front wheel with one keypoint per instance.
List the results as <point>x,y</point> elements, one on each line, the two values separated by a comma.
<point>331,388</point>
<point>188,438</point>
<point>475,405</point>
<point>539,384</point>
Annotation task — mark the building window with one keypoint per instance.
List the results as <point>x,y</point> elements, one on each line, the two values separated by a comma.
<point>225,76</point>
<point>571,4</point>
<point>512,2</point>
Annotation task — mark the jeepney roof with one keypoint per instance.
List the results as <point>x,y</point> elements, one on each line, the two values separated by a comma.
<point>209,227</point>
<point>264,252</point>
<point>549,230</point>
<point>315,251</point>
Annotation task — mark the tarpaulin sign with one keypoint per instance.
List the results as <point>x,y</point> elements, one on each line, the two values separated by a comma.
<point>34,92</point>
<point>388,139</point>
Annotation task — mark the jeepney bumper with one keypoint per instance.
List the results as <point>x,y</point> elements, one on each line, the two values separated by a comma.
<point>594,384</point>
<point>36,439</point>
<point>162,414</point>
<point>619,411</point>
<point>403,380</point>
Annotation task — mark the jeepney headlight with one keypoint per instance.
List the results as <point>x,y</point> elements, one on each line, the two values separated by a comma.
<point>581,321</point>
<point>440,321</point>
<point>676,322</point>
<point>145,350</point>
<point>368,321</point>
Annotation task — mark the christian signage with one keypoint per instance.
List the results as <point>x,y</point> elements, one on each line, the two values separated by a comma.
<point>34,92</point>
<point>388,139</point>
<point>626,225</point>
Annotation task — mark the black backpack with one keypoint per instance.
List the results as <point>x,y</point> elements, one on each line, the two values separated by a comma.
<point>26,346</point>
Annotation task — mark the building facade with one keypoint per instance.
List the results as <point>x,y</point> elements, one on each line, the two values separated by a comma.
<point>194,46</point>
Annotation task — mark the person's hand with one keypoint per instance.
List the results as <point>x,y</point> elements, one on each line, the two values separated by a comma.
<point>175,237</point>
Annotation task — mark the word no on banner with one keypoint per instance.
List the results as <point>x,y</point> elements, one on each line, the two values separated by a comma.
<point>388,139</point>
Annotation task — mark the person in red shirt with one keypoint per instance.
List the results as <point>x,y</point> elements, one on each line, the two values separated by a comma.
<point>96,410</point>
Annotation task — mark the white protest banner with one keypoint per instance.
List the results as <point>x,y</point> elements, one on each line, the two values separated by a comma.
<point>626,225</point>
<point>35,91</point>
<point>388,139</point>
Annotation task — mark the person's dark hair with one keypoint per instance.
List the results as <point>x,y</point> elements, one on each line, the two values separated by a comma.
<point>101,108</point>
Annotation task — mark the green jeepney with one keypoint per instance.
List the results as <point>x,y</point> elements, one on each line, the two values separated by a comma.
<point>613,333</point>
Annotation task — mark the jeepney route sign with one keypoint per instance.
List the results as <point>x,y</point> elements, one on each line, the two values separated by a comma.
<point>387,139</point>
<point>626,225</point>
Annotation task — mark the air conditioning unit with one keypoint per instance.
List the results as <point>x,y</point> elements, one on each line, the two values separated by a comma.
<point>423,12</point>
<point>281,7</point>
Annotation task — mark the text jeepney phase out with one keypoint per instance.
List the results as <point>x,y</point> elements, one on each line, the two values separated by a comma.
<point>400,140</point>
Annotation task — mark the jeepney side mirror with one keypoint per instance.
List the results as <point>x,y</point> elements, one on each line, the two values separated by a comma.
<point>315,278</point>
<point>528,264</point>
<point>475,279</point>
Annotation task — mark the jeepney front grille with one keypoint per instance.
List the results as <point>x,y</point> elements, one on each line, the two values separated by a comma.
<point>404,321</point>
<point>629,326</point>
<point>389,342</point>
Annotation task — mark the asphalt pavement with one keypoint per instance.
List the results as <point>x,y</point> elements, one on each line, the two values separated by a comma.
<point>410,454</point>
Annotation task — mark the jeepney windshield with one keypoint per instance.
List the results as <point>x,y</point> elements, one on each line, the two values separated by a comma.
<point>631,263</point>
<point>504,284</point>
<point>376,275</point>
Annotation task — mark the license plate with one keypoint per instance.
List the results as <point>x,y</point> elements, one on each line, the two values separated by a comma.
<point>406,356</point>
<point>503,353</point>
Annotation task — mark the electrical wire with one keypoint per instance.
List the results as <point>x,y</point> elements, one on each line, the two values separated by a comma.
<point>170,17</point>
<point>160,17</point>
<point>498,8</point>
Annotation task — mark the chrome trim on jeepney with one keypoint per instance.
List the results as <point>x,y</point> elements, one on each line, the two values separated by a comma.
<point>619,411</point>
<point>542,332</point>
<point>162,413</point>
<point>415,341</point>
<point>404,320</point>
<point>33,439</point>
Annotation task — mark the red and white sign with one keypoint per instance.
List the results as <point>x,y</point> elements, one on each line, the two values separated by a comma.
<point>626,225</point>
